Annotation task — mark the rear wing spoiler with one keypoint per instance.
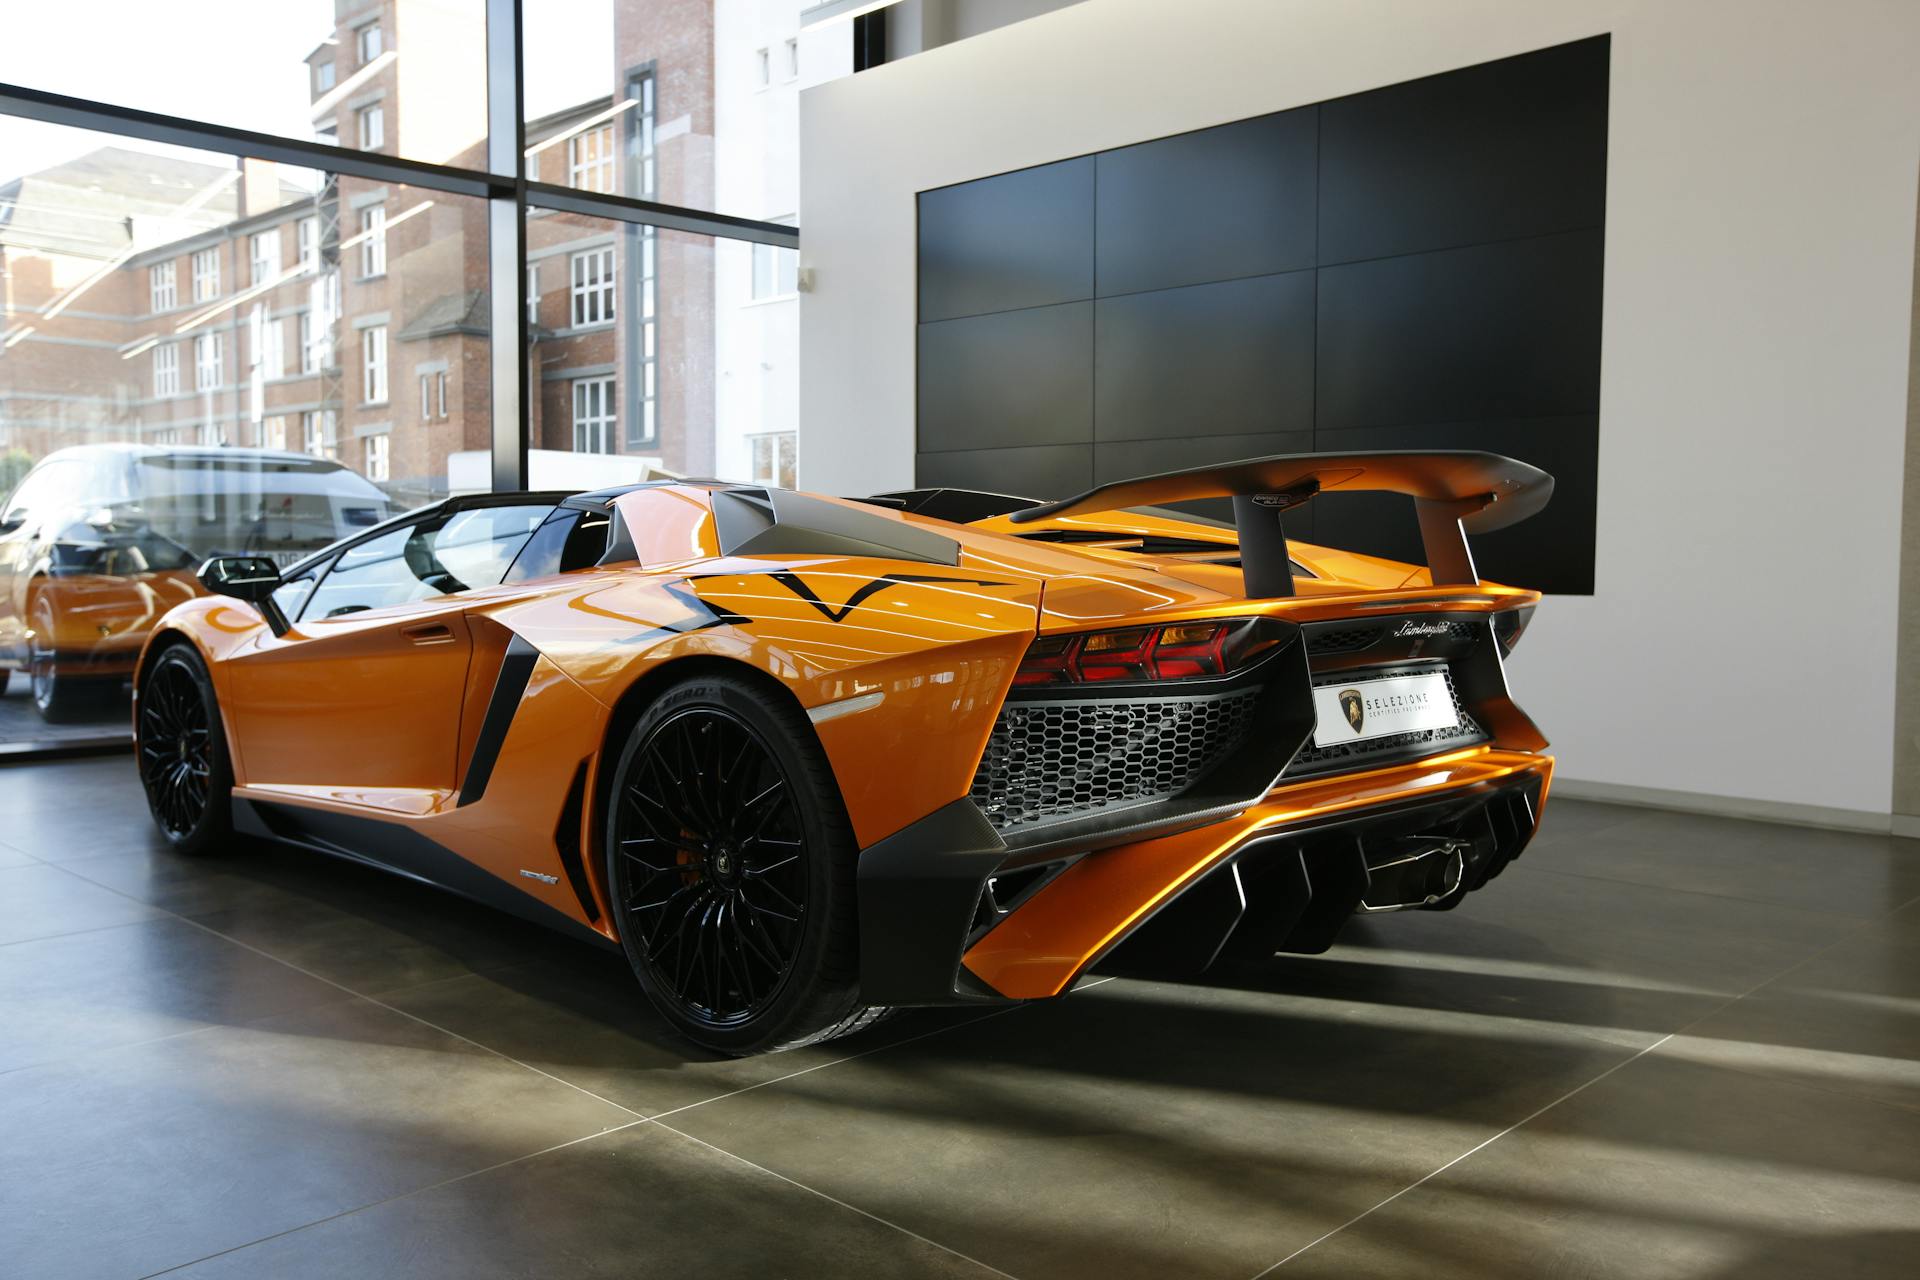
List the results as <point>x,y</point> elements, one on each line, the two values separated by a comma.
<point>1454,492</point>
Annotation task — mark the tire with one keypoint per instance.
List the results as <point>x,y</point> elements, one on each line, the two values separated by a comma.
<point>6,678</point>
<point>182,750</point>
<point>58,698</point>
<point>730,863</point>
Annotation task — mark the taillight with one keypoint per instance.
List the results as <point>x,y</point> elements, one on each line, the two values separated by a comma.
<point>1170,651</point>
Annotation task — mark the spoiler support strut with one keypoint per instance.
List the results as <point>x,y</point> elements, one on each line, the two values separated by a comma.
<point>1449,559</point>
<point>1454,492</point>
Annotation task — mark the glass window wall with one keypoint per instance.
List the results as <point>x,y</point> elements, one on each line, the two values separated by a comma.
<point>249,306</point>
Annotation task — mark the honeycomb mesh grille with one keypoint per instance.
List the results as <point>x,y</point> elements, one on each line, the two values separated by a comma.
<point>1344,640</point>
<point>1049,761</point>
<point>1314,759</point>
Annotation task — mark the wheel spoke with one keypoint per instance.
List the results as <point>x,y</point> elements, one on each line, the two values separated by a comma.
<point>176,748</point>
<point>711,865</point>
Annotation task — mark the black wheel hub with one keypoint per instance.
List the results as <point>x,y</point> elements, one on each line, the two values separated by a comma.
<point>711,866</point>
<point>176,748</point>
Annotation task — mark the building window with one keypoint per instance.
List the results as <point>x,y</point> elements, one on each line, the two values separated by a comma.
<point>306,238</point>
<point>161,287</point>
<point>373,128</point>
<point>373,248</point>
<point>213,435</point>
<point>533,293</point>
<point>593,287</point>
<point>322,78</point>
<point>206,275</point>
<point>367,42</point>
<point>433,395</point>
<point>593,415</point>
<point>269,345</point>
<point>373,372</point>
<point>317,433</point>
<point>166,370</point>
<point>264,247</point>
<point>776,271</point>
<point>310,346</point>
<point>640,138</point>
<point>273,433</point>
<point>793,59</point>
<point>643,395</point>
<point>773,455</point>
<point>165,435</point>
<point>377,459</point>
<point>762,68</point>
<point>590,159</point>
<point>643,431</point>
<point>209,361</point>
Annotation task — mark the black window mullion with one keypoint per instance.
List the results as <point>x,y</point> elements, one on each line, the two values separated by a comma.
<point>507,247</point>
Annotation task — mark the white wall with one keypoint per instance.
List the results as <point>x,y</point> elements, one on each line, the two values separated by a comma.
<point>756,175</point>
<point>1760,242</point>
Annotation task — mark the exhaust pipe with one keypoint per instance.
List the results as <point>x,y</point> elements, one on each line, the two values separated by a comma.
<point>1412,871</point>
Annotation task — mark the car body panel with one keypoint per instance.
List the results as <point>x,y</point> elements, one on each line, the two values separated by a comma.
<point>483,725</point>
<point>1070,923</point>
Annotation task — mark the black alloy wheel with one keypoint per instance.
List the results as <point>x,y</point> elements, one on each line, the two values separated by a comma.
<point>183,752</point>
<point>730,861</point>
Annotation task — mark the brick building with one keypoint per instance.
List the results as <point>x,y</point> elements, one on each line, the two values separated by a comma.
<point>146,298</point>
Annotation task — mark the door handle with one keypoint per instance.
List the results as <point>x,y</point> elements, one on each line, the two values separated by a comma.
<point>428,633</point>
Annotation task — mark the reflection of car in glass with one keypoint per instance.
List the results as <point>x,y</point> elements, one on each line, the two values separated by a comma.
<point>805,758</point>
<point>98,541</point>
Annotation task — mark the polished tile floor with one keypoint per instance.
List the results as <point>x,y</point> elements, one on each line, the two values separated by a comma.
<point>1660,1045</point>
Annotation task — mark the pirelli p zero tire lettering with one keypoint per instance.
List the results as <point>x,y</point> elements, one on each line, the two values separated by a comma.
<point>182,750</point>
<point>731,863</point>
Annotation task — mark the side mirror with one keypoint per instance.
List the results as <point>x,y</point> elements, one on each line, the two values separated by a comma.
<point>13,520</point>
<point>250,578</point>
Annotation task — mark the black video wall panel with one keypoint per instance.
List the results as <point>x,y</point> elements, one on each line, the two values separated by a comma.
<point>1418,266</point>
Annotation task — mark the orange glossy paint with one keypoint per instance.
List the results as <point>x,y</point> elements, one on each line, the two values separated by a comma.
<point>377,714</point>
<point>1040,949</point>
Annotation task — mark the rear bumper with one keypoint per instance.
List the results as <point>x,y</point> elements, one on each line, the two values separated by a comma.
<point>1283,874</point>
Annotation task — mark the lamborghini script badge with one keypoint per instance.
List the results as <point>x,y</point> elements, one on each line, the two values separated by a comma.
<point>1350,702</point>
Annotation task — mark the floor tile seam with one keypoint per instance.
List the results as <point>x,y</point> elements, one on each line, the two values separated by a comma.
<point>361,995</point>
<point>1851,935</point>
<point>1843,916</point>
<point>821,1066</point>
<point>398,1196</point>
<point>94,1051</point>
<point>1470,1151</point>
<point>1790,1081</point>
<point>1859,927</point>
<point>77,933</point>
<point>832,1199</point>
<point>380,1003</point>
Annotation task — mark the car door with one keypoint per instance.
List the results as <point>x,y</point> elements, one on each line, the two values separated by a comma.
<point>367,686</point>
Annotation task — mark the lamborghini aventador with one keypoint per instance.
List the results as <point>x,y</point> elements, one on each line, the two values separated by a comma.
<point>804,759</point>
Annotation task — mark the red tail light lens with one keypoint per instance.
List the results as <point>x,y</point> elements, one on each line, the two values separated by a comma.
<point>1174,651</point>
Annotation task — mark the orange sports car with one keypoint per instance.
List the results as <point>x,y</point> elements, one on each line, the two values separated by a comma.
<point>804,759</point>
